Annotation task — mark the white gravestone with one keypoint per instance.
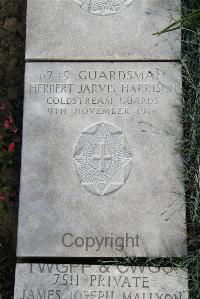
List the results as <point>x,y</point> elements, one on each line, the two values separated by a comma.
<point>101,170</point>
<point>101,30</point>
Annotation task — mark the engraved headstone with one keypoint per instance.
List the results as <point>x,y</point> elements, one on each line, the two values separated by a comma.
<point>101,171</point>
<point>101,30</point>
<point>99,282</point>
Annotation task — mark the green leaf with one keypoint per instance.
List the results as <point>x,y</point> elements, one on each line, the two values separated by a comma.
<point>179,22</point>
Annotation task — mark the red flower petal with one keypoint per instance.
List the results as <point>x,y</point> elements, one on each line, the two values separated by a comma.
<point>4,148</point>
<point>11,147</point>
<point>10,118</point>
<point>13,128</point>
<point>2,106</point>
<point>2,197</point>
<point>6,124</point>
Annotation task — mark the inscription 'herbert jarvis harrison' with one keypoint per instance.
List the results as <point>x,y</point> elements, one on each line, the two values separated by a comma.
<point>102,158</point>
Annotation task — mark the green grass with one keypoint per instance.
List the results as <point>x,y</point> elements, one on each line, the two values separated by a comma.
<point>191,145</point>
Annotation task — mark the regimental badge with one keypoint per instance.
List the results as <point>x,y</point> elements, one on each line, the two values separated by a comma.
<point>103,7</point>
<point>102,158</point>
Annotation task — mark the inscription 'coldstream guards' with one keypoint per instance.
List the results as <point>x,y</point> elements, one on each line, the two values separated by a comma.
<point>103,7</point>
<point>102,158</point>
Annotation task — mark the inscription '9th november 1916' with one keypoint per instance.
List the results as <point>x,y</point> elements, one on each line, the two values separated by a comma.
<point>107,92</point>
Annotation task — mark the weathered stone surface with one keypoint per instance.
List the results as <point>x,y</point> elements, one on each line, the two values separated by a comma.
<point>99,282</point>
<point>101,172</point>
<point>122,30</point>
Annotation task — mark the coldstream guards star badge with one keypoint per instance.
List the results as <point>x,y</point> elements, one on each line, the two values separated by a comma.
<point>102,158</point>
<point>103,7</point>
